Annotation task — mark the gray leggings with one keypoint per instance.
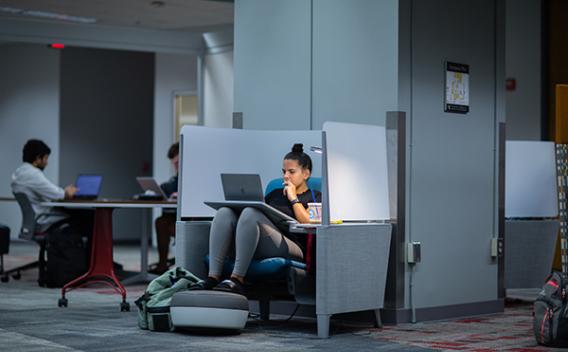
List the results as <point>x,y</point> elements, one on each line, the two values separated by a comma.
<point>255,237</point>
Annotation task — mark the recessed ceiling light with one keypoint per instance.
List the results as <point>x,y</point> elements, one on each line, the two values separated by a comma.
<point>48,15</point>
<point>11,10</point>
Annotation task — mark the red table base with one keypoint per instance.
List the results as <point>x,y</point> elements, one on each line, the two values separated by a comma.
<point>101,265</point>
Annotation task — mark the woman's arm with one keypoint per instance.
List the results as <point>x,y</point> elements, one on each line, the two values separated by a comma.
<point>300,213</point>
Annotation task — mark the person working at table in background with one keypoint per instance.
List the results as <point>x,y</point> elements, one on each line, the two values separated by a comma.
<point>165,224</point>
<point>253,235</point>
<point>30,180</point>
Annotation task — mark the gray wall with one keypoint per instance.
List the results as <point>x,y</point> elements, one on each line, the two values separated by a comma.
<point>355,60</point>
<point>273,63</point>
<point>218,79</point>
<point>106,123</point>
<point>523,62</point>
<point>218,90</point>
<point>173,73</point>
<point>29,108</point>
<point>452,173</point>
<point>368,57</point>
<point>296,66</point>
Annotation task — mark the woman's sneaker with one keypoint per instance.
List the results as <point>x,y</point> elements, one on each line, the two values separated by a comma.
<point>230,285</point>
<point>206,284</point>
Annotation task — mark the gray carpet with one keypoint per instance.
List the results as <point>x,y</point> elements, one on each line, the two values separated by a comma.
<point>31,321</point>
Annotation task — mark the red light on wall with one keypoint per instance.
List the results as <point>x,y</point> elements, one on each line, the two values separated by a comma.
<point>511,84</point>
<point>57,46</point>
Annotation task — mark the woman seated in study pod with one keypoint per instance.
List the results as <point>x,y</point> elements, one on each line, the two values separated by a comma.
<point>253,235</point>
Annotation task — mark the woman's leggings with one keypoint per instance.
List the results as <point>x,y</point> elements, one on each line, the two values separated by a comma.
<point>253,236</point>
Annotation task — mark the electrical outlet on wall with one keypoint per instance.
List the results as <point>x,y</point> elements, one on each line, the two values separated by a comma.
<point>413,252</point>
<point>497,248</point>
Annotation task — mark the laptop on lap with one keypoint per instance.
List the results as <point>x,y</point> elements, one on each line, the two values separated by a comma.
<point>245,190</point>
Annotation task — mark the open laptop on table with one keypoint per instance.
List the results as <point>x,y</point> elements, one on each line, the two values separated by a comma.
<point>245,190</point>
<point>152,189</point>
<point>89,186</point>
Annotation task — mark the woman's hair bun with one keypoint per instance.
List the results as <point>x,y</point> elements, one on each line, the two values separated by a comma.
<point>298,154</point>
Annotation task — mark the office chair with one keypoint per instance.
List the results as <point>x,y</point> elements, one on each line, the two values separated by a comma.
<point>28,232</point>
<point>280,278</point>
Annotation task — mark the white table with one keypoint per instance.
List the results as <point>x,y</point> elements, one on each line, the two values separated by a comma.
<point>101,265</point>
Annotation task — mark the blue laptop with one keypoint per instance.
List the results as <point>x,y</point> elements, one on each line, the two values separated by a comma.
<point>89,186</point>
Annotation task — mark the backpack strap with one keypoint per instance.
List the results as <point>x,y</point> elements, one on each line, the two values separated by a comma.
<point>142,300</point>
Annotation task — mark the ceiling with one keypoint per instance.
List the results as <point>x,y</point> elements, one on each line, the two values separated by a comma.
<point>184,15</point>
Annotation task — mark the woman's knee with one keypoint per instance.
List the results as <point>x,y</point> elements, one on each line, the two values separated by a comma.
<point>225,215</point>
<point>224,224</point>
<point>250,214</point>
<point>225,212</point>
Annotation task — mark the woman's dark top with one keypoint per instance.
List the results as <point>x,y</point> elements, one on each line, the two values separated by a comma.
<point>278,200</point>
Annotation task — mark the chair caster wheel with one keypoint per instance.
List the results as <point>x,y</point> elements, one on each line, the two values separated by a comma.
<point>62,302</point>
<point>125,307</point>
<point>5,279</point>
<point>17,276</point>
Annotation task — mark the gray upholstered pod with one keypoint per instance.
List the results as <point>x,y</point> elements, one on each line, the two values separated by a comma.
<point>209,309</point>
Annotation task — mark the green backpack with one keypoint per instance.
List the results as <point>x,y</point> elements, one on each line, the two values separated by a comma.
<point>154,304</point>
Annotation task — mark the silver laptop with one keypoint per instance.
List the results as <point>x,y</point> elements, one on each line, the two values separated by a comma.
<point>151,187</point>
<point>246,187</point>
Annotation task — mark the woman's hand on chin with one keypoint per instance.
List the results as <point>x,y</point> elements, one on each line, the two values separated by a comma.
<point>290,190</point>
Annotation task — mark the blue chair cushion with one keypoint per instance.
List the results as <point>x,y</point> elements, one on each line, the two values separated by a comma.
<point>313,183</point>
<point>269,268</point>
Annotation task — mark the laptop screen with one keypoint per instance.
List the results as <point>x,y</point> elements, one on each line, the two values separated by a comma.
<point>245,187</point>
<point>89,185</point>
<point>150,184</point>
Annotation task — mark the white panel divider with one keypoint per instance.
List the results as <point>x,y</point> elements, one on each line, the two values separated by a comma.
<point>357,169</point>
<point>208,152</point>
<point>530,180</point>
<point>356,157</point>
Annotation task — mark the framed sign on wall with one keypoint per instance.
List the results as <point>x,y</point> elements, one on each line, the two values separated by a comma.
<point>457,88</point>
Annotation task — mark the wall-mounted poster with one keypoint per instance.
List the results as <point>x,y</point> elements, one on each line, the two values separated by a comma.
<point>457,88</point>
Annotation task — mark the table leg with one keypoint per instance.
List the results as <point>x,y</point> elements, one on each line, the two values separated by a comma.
<point>323,321</point>
<point>146,234</point>
<point>143,276</point>
<point>101,265</point>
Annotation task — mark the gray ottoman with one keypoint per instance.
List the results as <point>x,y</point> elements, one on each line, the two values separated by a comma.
<point>209,309</point>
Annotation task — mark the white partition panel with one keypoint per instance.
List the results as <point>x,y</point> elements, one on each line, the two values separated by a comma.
<point>208,152</point>
<point>357,171</point>
<point>530,180</point>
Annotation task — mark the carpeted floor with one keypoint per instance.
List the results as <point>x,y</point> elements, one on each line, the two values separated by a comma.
<point>509,331</point>
<point>31,321</point>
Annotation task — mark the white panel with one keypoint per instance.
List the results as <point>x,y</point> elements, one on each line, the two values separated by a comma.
<point>530,180</point>
<point>208,152</point>
<point>357,171</point>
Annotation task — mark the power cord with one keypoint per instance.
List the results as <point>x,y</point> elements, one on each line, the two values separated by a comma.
<point>256,316</point>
